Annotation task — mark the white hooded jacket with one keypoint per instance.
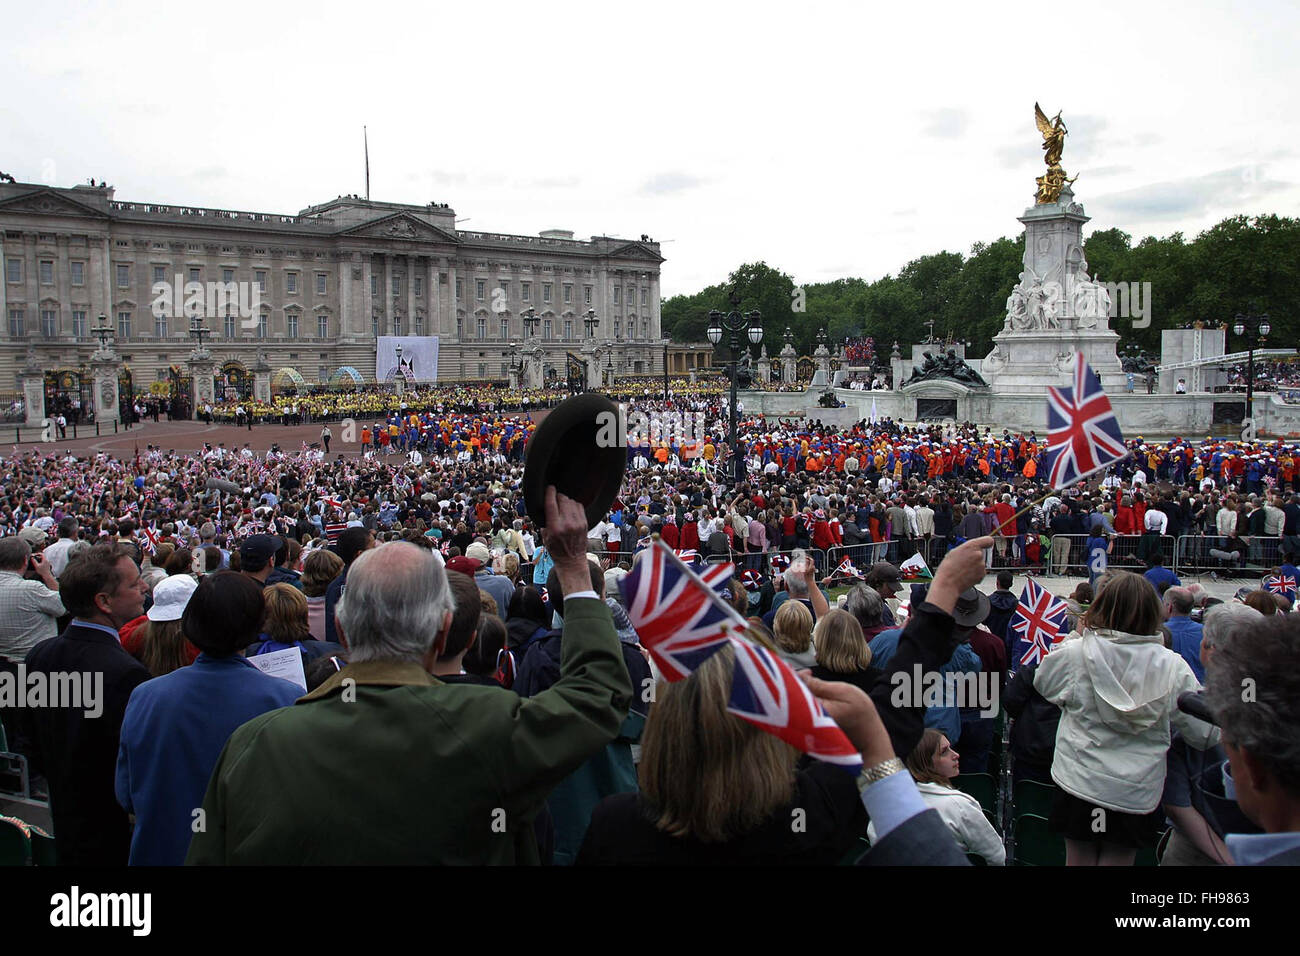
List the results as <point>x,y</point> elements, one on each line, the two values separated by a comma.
<point>1118,696</point>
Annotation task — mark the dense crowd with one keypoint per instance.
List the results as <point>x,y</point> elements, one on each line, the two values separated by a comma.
<point>473,688</point>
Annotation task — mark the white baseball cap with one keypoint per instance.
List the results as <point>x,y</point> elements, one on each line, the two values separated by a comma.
<point>170,597</point>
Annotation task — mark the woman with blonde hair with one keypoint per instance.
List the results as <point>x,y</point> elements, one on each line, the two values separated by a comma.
<point>934,765</point>
<point>842,651</point>
<point>793,628</point>
<point>1117,687</point>
<point>716,789</point>
<point>286,626</point>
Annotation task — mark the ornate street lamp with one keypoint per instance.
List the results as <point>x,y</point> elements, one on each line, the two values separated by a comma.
<point>734,324</point>
<point>1254,328</point>
<point>591,321</point>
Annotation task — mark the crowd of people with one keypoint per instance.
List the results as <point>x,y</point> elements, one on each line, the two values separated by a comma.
<point>431,615</point>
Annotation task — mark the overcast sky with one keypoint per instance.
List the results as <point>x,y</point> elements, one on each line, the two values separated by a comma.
<point>829,140</point>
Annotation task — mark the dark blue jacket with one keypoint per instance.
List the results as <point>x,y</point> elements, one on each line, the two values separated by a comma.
<point>174,730</point>
<point>332,595</point>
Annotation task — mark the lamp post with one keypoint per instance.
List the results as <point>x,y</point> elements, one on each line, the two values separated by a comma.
<point>665,370</point>
<point>735,323</point>
<point>531,321</point>
<point>591,321</point>
<point>103,331</point>
<point>400,382</point>
<point>1254,328</point>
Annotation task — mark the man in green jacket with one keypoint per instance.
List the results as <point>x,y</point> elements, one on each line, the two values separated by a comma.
<point>385,764</point>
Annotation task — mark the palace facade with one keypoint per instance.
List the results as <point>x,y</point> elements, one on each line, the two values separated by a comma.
<point>325,284</point>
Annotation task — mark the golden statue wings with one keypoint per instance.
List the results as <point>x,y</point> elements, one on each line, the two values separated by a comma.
<point>1053,131</point>
<point>1053,181</point>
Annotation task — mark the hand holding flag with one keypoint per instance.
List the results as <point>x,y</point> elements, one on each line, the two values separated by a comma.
<point>682,621</point>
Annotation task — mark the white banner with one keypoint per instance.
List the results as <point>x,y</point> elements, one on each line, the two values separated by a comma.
<point>419,358</point>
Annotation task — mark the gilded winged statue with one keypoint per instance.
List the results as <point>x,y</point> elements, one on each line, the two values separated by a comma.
<point>1053,181</point>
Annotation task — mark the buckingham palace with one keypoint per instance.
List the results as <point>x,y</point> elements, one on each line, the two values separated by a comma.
<point>313,295</point>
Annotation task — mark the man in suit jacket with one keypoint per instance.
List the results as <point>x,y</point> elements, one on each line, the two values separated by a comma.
<point>74,742</point>
<point>398,767</point>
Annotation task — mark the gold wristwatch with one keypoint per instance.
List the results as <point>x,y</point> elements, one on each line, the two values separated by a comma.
<point>879,772</point>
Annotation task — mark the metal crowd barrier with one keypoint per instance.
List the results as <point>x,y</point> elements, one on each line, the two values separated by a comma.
<point>1251,556</point>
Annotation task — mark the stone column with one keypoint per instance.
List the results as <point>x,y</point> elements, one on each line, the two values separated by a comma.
<point>262,378</point>
<point>385,296</point>
<point>201,368</point>
<point>32,382</point>
<point>104,367</point>
<point>412,264</point>
<point>362,325</point>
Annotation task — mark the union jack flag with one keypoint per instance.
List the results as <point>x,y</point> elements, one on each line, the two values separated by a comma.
<point>768,694</point>
<point>677,614</point>
<point>846,568</point>
<point>1280,584</point>
<point>688,556</point>
<point>1083,435</point>
<point>148,539</point>
<point>332,502</point>
<point>332,531</point>
<point>1039,620</point>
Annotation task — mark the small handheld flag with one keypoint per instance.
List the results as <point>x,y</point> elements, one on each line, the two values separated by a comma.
<point>914,567</point>
<point>1283,584</point>
<point>847,569</point>
<point>1039,622</point>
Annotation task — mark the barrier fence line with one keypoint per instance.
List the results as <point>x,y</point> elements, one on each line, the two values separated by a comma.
<point>1249,556</point>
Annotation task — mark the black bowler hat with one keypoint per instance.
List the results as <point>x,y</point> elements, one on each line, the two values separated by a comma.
<point>564,452</point>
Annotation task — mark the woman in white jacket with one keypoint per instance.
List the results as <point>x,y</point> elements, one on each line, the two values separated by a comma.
<point>1117,687</point>
<point>933,765</point>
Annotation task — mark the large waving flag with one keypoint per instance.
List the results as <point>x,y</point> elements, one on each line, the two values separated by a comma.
<point>1039,622</point>
<point>1083,435</point>
<point>768,694</point>
<point>682,620</point>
